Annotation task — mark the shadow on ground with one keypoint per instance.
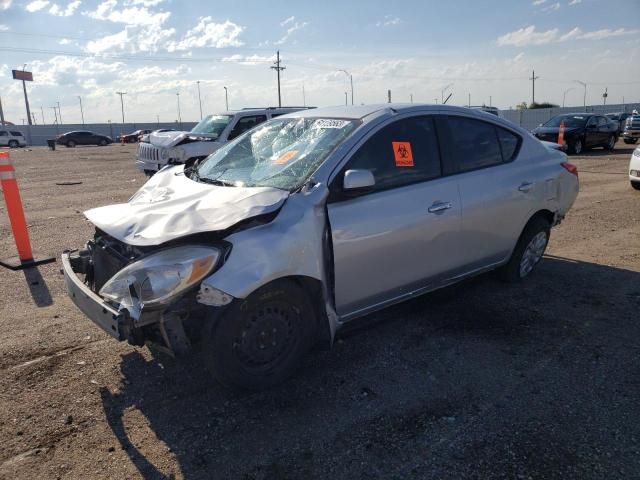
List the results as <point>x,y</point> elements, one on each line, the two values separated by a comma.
<point>536,380</point>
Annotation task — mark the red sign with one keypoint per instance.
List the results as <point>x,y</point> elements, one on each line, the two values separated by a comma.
<point>22,75</point>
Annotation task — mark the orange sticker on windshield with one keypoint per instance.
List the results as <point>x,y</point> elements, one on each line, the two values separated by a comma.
<point>285,157</point>
<point>402,154</point>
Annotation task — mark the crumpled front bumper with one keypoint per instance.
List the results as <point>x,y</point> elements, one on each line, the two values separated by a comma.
<point>92,305</point>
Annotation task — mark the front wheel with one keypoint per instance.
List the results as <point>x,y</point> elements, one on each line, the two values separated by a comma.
<point>102,142</point>
<point>71,144</point>
<point>528,252</point>
<point>576,146</point>
<point>259,342</point>
<point>611,143</point>
<point>13,144</point>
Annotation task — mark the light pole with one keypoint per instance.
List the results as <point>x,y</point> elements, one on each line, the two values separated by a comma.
<point>122,104</point>
<point>351,80</point>
<point>26,99</point>
<point>346,98</point>
<point>179,115</point>
<point>226,97</point>
<point>59,113</point>
<point>585,92</point>
<point>444,89</point>
<point>564,95</point>
<point>81,111</point>
<point>199,99</point>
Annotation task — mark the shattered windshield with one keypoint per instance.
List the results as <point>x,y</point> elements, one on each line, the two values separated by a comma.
<point>212,125</point>
<point>570,121</point>
<point>282,153</point>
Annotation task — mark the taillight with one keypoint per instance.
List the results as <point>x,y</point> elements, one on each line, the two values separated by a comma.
<point>570,167</point>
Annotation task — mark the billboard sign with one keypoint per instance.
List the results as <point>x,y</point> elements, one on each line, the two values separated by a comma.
<point>22,75</point>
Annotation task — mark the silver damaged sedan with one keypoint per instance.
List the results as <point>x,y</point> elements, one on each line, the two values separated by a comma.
<point>271,244</point>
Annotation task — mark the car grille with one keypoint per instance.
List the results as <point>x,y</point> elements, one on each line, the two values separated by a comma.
<point>633,124</point>
<point>146,151</point>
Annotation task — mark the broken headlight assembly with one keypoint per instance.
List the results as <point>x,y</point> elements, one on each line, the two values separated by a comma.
<point>157,279</point>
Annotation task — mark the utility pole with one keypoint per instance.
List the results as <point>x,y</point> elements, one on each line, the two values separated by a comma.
<point>304,97</point>
<point>604,96</point>
<point>226,98</point>
<point>42,112</point>
<point>179,114</point>
<point>59,112</point>
<point>276,66</point>
<point>122,104</point>
<point>81,111</point>
<point>533,86</point>
<point>346,98</point>
<point>351,80</point>
<point>1,113</point>
<point>199,99</point>
<point>490,101</point>
<point>55,114</point>
<point>411,97</point>
<point>469,104</point>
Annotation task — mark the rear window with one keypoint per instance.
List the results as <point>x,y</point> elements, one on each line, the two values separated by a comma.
<point>509,143</point>
<point>475,143</point>
<point>16,134</point>
<point>4,134</point>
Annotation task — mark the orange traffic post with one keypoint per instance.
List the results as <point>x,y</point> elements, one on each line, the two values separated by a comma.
<point>13,202</point>
<point>561,133</point>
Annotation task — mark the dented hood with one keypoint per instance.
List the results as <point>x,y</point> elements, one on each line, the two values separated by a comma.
<point>171,139</point>
<point>170,206</point>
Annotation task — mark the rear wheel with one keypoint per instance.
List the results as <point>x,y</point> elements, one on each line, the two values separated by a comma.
<point>102,142</point>
<point>71,144</point>
<point>528,252</point>
<point>576,146</point>
<point>13,144</point>
<point>611,143</point>
<point>258,342</point>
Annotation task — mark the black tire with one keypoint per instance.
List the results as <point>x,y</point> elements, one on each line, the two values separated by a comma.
<point>258,342</point>
<point>102,143</point>
<point>611,143</point>
<point>13,144</point>
<point>512,271</point>
<point>576,147</point>
<point>630,141</point>
<point>71,144</point>
<point>635,185</point>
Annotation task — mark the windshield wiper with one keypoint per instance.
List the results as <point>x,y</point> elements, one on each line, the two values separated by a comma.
<point>215,181</point>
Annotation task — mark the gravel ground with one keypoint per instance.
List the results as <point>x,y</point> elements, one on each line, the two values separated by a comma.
<point>482,380</point>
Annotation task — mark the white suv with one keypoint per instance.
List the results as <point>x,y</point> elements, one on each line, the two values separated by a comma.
<point>174,148</point>
<point>12,139</point>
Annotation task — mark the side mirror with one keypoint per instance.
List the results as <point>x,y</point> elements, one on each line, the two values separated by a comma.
<point>358,181</point>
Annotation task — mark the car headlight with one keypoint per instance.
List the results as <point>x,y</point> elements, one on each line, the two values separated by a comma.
<point>160,277</point>
<point>164,153</point>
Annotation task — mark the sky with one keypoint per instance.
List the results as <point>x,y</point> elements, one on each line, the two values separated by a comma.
<point>419,49</point>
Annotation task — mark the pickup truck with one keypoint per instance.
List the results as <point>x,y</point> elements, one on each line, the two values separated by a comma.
<point>631,131</point>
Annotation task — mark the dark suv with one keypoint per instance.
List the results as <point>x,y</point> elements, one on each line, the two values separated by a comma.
<point>83,137</point>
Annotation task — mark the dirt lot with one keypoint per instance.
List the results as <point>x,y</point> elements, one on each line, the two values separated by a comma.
<point>483,380</point>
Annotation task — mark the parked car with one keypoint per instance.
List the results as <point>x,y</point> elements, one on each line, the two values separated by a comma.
<point>12,139</point>
<point>175,148</point>
<point>145,137</point>
<point>132,137</point>
<point>581,131</point>
<point>631,131</point>
<point>620,118</point>
<point>634,169</point>
<point>299,226</point>
<point>82,137</point>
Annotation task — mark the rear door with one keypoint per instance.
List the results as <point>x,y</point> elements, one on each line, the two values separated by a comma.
<point>403,234</point>
<point>497,192</point>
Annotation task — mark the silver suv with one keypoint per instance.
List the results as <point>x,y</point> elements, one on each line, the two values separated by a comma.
<point>170,147</point>
<point>297,227</point>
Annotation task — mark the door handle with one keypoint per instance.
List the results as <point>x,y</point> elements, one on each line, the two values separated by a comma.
<point>439,207</point>
<point>525,186</point>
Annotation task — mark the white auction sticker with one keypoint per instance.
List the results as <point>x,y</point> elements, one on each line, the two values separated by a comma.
<point>330,123</point>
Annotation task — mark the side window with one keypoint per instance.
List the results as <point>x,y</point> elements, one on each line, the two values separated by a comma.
<point>592,122</point>
<point>4,134</point>
<point>402,153</point>
<point>475,143</point>
<point>246,123</point>
<point>602,121</point>
<point>16,134</point>
<point>509,144</point>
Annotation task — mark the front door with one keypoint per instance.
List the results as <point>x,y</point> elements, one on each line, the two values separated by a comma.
<point>403,234</point>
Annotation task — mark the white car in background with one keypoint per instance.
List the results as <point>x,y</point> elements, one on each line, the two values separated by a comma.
<point>634,169</point>
<point>176,148</point>
<point>12,139</point>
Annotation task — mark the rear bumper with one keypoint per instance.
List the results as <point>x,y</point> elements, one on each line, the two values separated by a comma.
<point>99,312</point>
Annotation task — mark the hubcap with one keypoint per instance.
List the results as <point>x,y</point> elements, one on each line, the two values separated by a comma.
<point>578,146</point>
<point>612,142</point>
<point>533,253</point>
<point>268,335</point>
